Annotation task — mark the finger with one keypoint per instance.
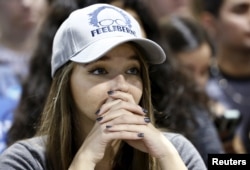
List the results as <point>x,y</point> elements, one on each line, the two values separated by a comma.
<point>106,106</point>
<point>124,135</point>
<point>126,127</point>
<point>123,117</point>
<point>122,95</point>
<point>118,105</point>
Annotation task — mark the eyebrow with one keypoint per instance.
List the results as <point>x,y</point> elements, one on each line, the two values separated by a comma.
<point>106,58</point>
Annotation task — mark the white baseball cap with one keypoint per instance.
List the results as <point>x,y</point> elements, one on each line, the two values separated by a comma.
<point>88,33</point>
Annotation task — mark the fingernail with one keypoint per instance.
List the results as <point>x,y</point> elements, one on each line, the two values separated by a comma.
<point>97,112</point>
<point>141,135</point>
<point>108,126</point>
<point>99,119</point>
<point>145,110</point>
<point>146,119</point>
<point>110,92</point>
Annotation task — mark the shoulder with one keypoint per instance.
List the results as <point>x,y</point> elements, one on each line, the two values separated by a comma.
<point>180,142</point>
<point>186,150</point>
<point>25,154</point>
<point>177,138</point>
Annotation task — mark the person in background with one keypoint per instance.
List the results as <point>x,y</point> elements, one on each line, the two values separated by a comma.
<point>163,8</point>
<point>100,102</point>
<point>19,24</point>
<point>36,87</point>
<point>190,46</point>
<point>227,21</point>
<point>178,86</point>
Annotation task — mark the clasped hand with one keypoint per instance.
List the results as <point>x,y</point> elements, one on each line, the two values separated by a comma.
<point>121,118</point>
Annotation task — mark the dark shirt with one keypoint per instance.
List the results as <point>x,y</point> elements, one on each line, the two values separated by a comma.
<point>234,94</point>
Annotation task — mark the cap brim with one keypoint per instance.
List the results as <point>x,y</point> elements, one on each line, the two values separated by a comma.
<point>154,53</point>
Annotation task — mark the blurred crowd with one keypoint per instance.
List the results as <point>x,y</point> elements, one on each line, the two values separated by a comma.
<point>202,90</point>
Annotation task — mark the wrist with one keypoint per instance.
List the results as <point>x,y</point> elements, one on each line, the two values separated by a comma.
<point>82,162</point>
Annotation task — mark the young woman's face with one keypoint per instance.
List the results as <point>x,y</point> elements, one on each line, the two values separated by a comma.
<point>234,23</point>
<point>117,70</point>
<point>196,63</point>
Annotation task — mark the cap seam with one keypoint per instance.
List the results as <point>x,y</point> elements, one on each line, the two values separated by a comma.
<point>73,38</point>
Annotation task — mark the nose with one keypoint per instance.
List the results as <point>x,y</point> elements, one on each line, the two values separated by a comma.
<point>119,83</point>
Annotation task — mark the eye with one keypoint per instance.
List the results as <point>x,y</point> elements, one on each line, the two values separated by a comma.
<point>134,71</point>
<point>98,71</point>
<point>241,9</point>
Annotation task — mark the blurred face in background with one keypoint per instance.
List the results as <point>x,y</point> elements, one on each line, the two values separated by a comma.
<point>233,24</point>
<point>20,16</point>
<point>161,8</point>
<point>196,63</point>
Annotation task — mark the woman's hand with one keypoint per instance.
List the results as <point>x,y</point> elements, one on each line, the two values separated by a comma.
<point>120,118</point>
<point>117,110</point>
<point>150,140</point>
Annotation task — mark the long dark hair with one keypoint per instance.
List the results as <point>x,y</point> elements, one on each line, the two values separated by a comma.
<point>184,34</point>
<point>174,94</point>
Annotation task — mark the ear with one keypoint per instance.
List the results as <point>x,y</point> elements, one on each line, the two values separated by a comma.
<point>209,23</point>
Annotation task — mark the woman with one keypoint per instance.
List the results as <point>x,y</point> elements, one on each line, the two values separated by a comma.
<point>36,87</point>
<point>179,93</point>
<point>98,113</point>
<point>191,47</point>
